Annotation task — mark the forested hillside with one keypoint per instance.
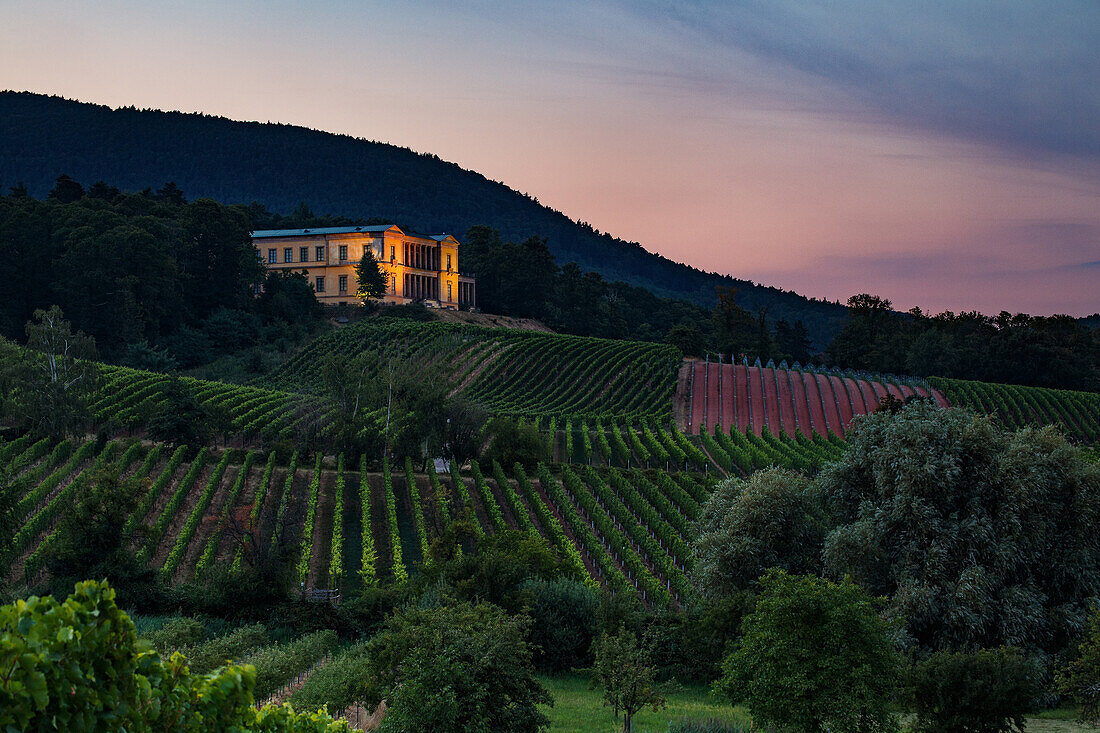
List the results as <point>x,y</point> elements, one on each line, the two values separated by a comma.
<point>281,166</point>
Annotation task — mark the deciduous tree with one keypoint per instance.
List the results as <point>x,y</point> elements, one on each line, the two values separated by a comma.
<point>815,656</point>
<point>980,538</point>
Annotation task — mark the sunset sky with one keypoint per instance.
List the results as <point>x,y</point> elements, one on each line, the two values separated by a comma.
<point>942,154</point>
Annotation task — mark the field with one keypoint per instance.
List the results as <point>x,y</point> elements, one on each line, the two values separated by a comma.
<point>580,709</point>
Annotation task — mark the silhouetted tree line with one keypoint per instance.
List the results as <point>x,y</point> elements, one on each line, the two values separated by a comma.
<point>522,279</point>
<point>1040,351</point>
<point>158,281</point>
<point>280,165</point>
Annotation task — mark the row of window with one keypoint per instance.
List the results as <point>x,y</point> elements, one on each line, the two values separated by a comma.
<point>303,254</point>
<point>341,284</point>
<point>319,255</point>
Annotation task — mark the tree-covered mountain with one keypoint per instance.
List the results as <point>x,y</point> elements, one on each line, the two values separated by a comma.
<point>280,166</point>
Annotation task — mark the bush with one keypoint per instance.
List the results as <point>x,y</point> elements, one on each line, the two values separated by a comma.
<point>1081,678</point>
<point>409,311</point>
<point>515,441</point>
<point>815,656</point>
<point>563,615</point>
<point>211,654</point>
<point>182,631</point>
<point>987,691</point>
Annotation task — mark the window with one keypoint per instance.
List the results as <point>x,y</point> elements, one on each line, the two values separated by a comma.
<point>343,253</point>
<point>288,254</point>
<point>320,253</point>
<point>320,285</point>
<point>303,254</point>
<point>271,257</point>
<point>343,284</point>
<point>257,289</point>
<point>448,263</point>
<point>393,253</point>
<point>449,286</point>
<point>393,284</point>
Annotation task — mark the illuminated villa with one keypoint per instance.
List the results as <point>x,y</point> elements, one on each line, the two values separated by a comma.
<point>418,268</point>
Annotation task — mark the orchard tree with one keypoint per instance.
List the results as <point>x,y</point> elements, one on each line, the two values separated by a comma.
<point>815,656</point>
<point>773,519</point>
<point>629,681</point>
<point>372,281</point>
<point>980,538</point>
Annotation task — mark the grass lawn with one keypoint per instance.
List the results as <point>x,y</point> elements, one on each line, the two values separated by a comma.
<point>578,709</point>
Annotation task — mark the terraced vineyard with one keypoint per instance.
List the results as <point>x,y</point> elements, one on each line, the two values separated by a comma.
<point>126,399</point>
<point>1076,413</point>
<point>511,372</point>
<point>797,401</point>
<point>626,529</point>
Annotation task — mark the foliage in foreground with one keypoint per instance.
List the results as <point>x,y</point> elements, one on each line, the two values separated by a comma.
<point>77,665</point>
<point>815,656</point>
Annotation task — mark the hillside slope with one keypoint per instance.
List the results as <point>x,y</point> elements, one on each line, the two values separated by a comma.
<point>279,166</point>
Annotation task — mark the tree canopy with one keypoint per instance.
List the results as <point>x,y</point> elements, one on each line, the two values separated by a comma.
<point>979,538</point>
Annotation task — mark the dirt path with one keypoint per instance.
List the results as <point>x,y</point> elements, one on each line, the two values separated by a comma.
<point>168,540</point>
<point>586,556</point>
<point>207,525</point>
<point>239,514</point>
<point>379,525</point>
<point>322,532</point>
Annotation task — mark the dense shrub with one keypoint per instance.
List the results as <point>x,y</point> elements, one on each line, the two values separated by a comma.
<point>563,616</point>
<point>183,631</point>
<point>213,653</point>
<point>986,691</point>
<point>815,656</point>
<point>1081,678</point>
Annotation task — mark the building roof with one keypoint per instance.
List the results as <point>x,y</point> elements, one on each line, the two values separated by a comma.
<point>266,233</point>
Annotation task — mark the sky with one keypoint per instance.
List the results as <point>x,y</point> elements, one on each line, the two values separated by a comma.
<point>942,154</point>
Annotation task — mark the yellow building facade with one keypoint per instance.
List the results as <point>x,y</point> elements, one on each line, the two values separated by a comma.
<point>418,268</point>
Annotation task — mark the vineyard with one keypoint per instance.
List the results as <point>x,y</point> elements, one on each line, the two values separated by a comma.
<point>127,398</point>
<point>1077,414</point>
<point>627,529</point>
<point>511,372</point>
<point>799,401</point>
